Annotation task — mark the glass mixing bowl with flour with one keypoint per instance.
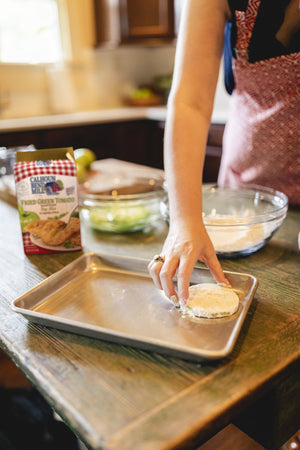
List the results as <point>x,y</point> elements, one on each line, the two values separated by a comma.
<point>241,221</point>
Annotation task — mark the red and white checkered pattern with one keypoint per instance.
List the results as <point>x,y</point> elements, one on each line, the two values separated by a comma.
<point>30,248</point>
<point>25,169</point>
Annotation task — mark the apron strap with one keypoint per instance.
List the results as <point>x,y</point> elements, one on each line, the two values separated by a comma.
<point>245,24</point>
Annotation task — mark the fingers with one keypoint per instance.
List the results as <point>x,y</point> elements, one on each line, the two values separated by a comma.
<point>216,270</point>
<point>162,273</point>
<point>179,255</point>
<point>154,268</point>
<point>184,273</point>
<point>167,273</point>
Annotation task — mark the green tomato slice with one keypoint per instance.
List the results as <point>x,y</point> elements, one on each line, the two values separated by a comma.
<point>119,218</point>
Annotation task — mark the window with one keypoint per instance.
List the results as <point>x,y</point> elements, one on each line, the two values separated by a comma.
<point>29,32</point>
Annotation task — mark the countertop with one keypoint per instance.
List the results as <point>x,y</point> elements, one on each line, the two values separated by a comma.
<point>92,117</point>
<point>114,396</point>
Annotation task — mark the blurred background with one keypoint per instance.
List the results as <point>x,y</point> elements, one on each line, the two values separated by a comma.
<point>62,56</point>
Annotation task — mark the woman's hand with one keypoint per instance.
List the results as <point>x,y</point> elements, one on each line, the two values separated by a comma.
<point>183,247</point>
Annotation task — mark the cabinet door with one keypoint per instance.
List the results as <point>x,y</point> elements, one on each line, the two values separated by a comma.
<point>146,20</point>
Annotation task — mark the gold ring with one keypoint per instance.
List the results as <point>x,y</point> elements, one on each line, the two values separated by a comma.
<point>158,258</point>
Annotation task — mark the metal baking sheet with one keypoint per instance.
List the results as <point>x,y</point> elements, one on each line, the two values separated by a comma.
<point>113,298</point>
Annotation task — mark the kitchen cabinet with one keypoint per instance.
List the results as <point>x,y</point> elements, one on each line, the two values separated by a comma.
<point>126,140</point>
<point>139,141</point>
<point>146,22</point>
<point>213,151</point>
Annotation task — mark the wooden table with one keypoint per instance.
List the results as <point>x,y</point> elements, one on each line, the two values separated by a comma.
<point>117,397</point>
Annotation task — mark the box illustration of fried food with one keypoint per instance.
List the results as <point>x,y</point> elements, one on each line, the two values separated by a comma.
<point>47,195</point>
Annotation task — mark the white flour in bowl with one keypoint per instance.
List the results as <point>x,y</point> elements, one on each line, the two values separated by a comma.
<point>233,236</point>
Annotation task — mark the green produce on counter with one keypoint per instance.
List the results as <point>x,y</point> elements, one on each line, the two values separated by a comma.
<point>119,219</point>
<point>81,172</point>
<point>142,93</point>
<point>84,156</point>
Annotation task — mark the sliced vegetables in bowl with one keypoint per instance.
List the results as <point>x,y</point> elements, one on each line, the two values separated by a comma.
<point>132,206</point>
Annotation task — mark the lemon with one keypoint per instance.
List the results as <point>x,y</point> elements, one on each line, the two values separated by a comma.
<point>84,156</point>
<point>81,172</point>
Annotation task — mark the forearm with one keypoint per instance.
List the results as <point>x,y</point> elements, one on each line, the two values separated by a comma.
<point>185,143</point>
<point>190,104</point>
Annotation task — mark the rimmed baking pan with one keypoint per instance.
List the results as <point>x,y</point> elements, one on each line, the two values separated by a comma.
<point>113,298</point>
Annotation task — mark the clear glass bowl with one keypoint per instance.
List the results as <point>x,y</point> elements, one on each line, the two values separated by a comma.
<point>241,221</point>
<point>127,205</point>
<point>7,162</point>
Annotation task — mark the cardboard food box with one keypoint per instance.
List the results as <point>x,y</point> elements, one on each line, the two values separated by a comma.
<point>47,195</point>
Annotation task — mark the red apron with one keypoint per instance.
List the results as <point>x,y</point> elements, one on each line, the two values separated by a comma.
<point>261,142</point>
